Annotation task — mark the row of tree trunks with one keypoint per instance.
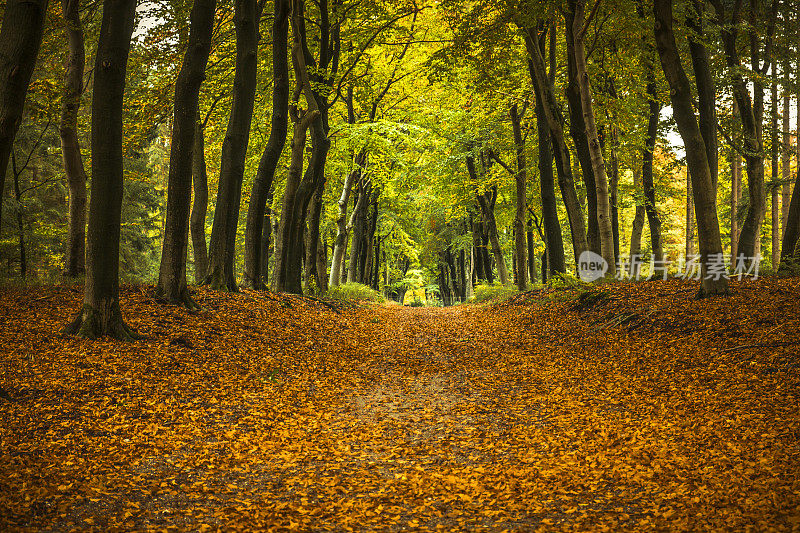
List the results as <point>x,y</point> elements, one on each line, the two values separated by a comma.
<point>221,275</point>
<point>545,92</point>
<point>696,155</point>
<point>74,260</point>
<point>262,184</point>
<point>172,286</point>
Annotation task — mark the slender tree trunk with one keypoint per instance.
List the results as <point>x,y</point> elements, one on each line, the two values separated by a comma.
<point>545,92</point>
<point>172,286</point>
<point>613,192</point>
<point>262,183</point>
<point>653,217</point>
<point>696,155</point>
<point>74,261</point>
<point>521,178</point>
<point>706,89</point>
<point>552,227</point>
<point>595,150</point>
<point>751,114</point>
<point>577,128</point>
<point>775,184</point>
<point>342,227</point>
<point>221,275</point>
<point>23,261</point>
<point>314,275</point>
<point>736,192</point>
<point>789,256</point>
<point>690,226</point>
<point>786,159</point>
<point>101,314</point>
<point>197,222</point>
<point>638,224</point>
<point>20,39</point>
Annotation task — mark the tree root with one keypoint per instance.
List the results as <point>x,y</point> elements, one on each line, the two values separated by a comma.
<point>182,299</point>
<point>91,323</point>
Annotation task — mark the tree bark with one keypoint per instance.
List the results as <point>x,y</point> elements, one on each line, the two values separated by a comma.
<point>23,261</point>
<point>342,226</point>
<point>696,155</point>
<point>789,256</point>
<point>221,275</point>
<point>545,92</point>
<point>775,183</point>
<point>690,225</point>
<point>101,314</point>
<point>520,179</point>
<point>262,183</point>
<point>786,157</point>
<point>595,150</point>
<point>172,287</point>
<point>653,217</point>
<point>74,260</point>
<point>20,39</point>
<point>197,222</point>
<point>736,191</point>
<point>706,90</point>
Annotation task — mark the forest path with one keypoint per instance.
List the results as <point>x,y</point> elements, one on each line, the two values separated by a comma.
<point>637,409</point>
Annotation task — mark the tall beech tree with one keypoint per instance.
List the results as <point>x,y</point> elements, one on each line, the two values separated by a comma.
<point>254,231</point>
<point>101,314</point>
<point>20,39</point>
<point>222,248</point>
<point>696,155</point>
<point>74,264</point>
<point>197,220</point>
<point>751,112</point>
<point>578,29</point>
<point>172,286</point>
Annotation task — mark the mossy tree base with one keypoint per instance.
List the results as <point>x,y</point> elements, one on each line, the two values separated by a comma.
<point>93,323</point>
<point>219,281</point>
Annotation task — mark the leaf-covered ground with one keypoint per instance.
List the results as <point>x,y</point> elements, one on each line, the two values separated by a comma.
<point>634,408</point>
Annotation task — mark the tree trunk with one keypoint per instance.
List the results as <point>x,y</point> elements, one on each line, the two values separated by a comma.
<point>653,217</point>
<point>262,183</point>
<point>172,287</point>
<point>577,129</point>
<point>751,114</point>
<point>23,261</point>
<point>613,192</point>
<point>289,256</point>
<point>552,227</point>
<point>342,227</point>
<point>545,93</point>
<point>690,226</point>
<point>595,150</point>
<point>696,155</point>
<point>521,178</point>
<point>314,276</point>
<point>706,90</point>
<point>20,39</point>
<point>638,225</point>
<point>736,191</point>
<point>101,314</point>
<point>197,222</point>
<point>221,275</point>
<point>487,209</point>
<point>786,159</point>
<point>74,260</point>
<point>775,183</point>
<point>789,257</point>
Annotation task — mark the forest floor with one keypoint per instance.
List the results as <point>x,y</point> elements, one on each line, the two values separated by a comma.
<point>629,407</point>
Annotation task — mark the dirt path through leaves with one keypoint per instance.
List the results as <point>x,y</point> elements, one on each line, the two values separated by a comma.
<point>645,410</point>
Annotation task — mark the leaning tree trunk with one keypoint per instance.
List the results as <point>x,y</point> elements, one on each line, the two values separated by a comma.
<point>197,221</point>
<point>696,156</point>
<point>253,254</point>
<point>521,178</point>
<point>545,92</point>
<point>577,130</point>
<point>101,313</point>
<point>706,90</point>
<point>595,150</point>
<point>74,264</point>
<point>172,287</point>
<point>20,39</point>
<point>221,275</point>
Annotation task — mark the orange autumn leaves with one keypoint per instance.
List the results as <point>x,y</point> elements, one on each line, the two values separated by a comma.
<point>637,409</point>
